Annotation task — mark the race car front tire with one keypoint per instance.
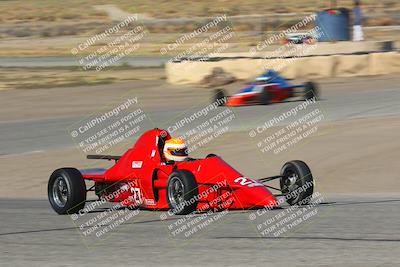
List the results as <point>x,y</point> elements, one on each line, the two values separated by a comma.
<point>310,90</point>
<point>265,97</point>
<point>297,183</point>
<point>66,191</point>
<point>181,192</point>
<point>220,97</point>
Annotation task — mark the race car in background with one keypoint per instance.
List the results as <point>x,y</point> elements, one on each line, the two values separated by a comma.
<point>299,38</point>
<point>143,178</point>
<point>268,88</point>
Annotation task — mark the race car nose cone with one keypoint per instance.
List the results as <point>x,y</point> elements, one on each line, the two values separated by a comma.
<point>235,101</point>
<point>255,197</point>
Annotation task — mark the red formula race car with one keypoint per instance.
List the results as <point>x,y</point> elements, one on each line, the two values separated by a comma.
<point>143,178</point>
<point>268,88</point>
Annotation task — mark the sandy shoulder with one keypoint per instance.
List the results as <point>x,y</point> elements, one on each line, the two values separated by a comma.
<point>354,156</point>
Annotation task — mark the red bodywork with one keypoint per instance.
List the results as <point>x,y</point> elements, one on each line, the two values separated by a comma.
<point>140,177</point>
<point>276,93</point>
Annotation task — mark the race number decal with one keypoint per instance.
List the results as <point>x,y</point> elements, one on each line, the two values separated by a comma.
<point>246,181</point>
<point>137,196</point>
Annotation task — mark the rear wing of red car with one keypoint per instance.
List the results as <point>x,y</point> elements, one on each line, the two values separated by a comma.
<point>107,157</point>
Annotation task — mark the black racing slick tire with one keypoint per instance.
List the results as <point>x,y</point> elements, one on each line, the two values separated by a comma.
<point>297,183</point>
<point>310,90</point>
<point>182,192</point>
<point>66,191</point>
<point>265,97</point>
<point>220,97</point>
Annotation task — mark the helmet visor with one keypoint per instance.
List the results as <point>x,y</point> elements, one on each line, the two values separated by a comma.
<point>181,152</point>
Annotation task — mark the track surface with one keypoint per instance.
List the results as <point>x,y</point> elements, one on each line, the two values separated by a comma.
<point>346,231</point>
<point>380,98</point>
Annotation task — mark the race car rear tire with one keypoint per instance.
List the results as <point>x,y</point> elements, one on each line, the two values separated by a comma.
<point>297,183</point>
<point>66,191</point>
<point>265,97</point>
<point>181,192</point>
<point>220,97</point>
<point>310,90</point>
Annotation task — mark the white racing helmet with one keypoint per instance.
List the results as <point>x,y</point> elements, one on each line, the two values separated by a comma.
<point>175,149</point>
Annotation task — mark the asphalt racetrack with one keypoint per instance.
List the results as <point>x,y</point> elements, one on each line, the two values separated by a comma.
<point>354,222</point>
<point>50,132</point>
<point>348,231</point>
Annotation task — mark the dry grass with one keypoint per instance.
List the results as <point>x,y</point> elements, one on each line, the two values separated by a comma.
<point>66,21</point>
<point>31,78</point>
<point>52,10</point>
<point>49,18</point>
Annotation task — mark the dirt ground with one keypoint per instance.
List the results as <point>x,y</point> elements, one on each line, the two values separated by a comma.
<point>350,156</point>
<point>30,104</point>
<point>33,78</point>
<point>343,159</point>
